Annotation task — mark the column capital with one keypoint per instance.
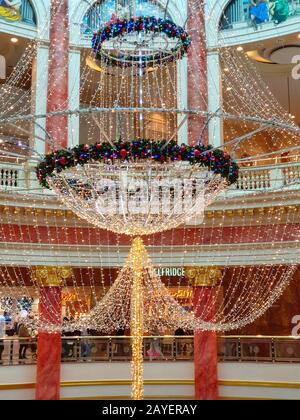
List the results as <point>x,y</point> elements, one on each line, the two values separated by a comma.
<point>50,276</point>
<point>203,276</point>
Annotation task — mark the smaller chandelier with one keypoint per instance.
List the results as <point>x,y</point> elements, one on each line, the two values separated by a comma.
<point>142,41</point>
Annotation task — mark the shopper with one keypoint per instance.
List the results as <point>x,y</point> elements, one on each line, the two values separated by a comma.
<point>24,334</point>
<point>10,331</point>
<point>279,11</point>
<point>155,351</point>
<point>86,346</point>
<point>2,335</point>
<point>259,12</point>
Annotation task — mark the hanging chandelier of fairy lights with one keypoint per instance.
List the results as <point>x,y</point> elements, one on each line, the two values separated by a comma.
<point>138,188</point>
<point>242,295</point>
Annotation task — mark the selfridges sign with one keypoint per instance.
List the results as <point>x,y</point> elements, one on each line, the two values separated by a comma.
<point>170,272</point>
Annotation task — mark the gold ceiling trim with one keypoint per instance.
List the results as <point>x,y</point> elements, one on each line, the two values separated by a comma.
<point>239,212</point>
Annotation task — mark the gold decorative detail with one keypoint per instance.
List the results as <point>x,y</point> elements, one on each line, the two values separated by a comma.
<point>203,276</point>
<point>159,382</point>
<point>260,384</point>
<point>210,214</point>
<point>51,276</point>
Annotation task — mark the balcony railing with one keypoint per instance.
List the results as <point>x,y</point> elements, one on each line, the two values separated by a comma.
<point>238,12</point>
<point>264,178</point>
<point>14,177</point>
<point>156,349</point>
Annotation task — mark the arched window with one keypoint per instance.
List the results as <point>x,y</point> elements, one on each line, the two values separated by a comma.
<point>236,11</point>
<point>103,10</point>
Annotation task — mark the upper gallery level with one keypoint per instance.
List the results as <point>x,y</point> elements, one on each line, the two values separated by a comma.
<point>26,93</point>
<point>244,21</point>
<point>228,22</point>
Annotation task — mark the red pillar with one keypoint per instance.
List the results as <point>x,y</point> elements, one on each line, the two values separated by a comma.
<point>58,93</point>
<point>206,352</point>
<point>204,280</point>
<point>197,72</point>
<point>49,345</point>
<point>50,281</point>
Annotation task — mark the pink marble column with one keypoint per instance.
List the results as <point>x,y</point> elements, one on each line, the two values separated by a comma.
<point>49,346</point>
<point>50,281</point>
<point>206,351</point>
<point>58,94</point>
<point>204,280</point>
<point>197,72</point>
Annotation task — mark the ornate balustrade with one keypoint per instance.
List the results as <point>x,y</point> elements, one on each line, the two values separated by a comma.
<point>12,176</point>
<point>252,179</point>
<point>265,178</point>
<point>168,348</point>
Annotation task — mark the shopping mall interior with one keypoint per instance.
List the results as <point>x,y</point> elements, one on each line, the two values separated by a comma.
<point>149,200</point>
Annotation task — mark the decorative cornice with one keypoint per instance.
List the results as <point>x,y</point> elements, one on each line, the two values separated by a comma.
<point>210,214</point>
<point>51,276</point>
<point>87,255</point>
<point>203,276</point>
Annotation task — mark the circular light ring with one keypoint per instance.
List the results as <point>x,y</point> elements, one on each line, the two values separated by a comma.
<point>161,152</point>
<point>121,27</point>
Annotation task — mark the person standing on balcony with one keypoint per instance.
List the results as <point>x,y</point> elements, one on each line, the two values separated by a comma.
<point>2,335</point>
<point>24,334</point>
<point>9,325</point>
<point>259,12</point>
<point>279,11</point>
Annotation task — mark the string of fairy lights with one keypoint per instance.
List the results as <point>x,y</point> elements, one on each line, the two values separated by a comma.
<point>243,293</point>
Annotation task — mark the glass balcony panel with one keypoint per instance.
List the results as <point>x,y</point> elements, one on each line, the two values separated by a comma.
<point>256,350</point>
<point>120,349</point>
<point>287,350</point>
<point>228,349</point>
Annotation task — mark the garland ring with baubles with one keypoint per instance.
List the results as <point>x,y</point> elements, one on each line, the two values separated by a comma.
<point>215,160</point>
<point>121,27</point>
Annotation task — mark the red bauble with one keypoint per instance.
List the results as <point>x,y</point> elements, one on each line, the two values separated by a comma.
<point>63,161</point>
<point>183,149</point>
<point>197,153</point>
<point>123,153</point>
<point>179,157</point>
<point>98,146</point>
<point>86,148</point>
